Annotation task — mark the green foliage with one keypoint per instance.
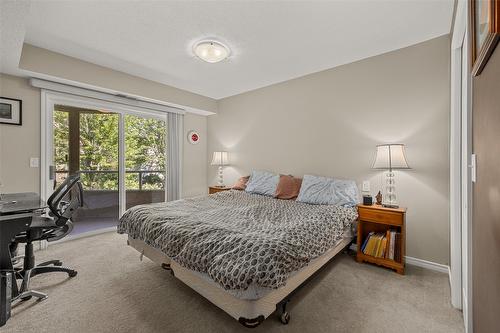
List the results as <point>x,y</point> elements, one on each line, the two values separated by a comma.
<point>99,150</point>
<point>145,146</point>
<point>61,137</point>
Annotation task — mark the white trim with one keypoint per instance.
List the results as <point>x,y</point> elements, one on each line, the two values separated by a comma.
<point>43,144</point>
<point>460,182</point>
<point>466,184</point>
<point>122,191</point>
<point>94,103</point>
<point>115,98</point>
<point>456,174</point>
<point>459,25</point>
<point>434,266</point>
<point>467,202</point>
<point>62,85</point>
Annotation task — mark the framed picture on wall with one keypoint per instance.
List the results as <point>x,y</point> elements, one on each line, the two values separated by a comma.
<point>11,111</point>
<point>485,31</point>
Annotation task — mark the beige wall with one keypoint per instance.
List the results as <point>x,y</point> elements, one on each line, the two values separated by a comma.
<point>328,123</point>
<point>486,198</point>
<point>19,143</point>
<point>194,168</point>
<point>53,64</point>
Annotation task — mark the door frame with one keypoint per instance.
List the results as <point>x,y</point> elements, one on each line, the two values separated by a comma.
<point>50,98</point>
<point>456,178</point>
<point>467,179</point>
<point>460,166</point>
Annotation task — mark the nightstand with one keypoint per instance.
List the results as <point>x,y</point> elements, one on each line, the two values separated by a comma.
<point>215,189</point>
<point>382,221</point>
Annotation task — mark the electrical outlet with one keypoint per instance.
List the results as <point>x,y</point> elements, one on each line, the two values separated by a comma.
<point>366,186</point>
<point>34,162</point>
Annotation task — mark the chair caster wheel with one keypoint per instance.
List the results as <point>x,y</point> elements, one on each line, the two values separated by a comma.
<point>58,263</point>
<point>27,298</point>
<point>285,318</point>
<point>72,274</point>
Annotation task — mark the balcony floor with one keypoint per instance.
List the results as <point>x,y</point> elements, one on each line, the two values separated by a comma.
<point>88,224</point>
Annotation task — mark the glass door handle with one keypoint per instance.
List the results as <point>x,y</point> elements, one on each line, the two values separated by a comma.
<point>52,176</point>
<point>52,172</point>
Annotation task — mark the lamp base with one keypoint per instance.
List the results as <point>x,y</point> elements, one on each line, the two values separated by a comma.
<point>390,200</point>
<point>220,182</point>
<point>390,206</point>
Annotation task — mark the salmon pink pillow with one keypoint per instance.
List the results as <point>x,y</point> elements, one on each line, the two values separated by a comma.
<point>241,184</point>
<point>288,187</point>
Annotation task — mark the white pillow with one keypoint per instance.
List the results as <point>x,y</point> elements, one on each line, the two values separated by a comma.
<point>262,182</point>
<point>328,191</point>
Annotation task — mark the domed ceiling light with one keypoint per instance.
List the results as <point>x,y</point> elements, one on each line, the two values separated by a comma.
<point>211,51</point>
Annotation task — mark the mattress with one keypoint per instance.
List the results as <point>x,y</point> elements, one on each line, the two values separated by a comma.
<point>246,243</point>
<point>255,292</point>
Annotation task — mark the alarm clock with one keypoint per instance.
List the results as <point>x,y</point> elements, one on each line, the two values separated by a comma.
<point>367,200</point>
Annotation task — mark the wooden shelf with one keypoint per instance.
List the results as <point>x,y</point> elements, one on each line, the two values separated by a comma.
<point>399,267</point>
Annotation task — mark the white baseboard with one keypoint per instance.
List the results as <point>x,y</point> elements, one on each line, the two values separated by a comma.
<point>419,262</point>
<point>428,265</point>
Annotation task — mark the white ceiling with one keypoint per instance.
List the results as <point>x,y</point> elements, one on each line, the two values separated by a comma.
<point>271,41</point>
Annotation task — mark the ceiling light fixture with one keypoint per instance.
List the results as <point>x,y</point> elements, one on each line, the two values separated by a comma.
<point>211,51</point>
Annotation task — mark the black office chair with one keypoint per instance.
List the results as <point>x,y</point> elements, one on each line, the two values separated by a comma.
<point>63,203</point>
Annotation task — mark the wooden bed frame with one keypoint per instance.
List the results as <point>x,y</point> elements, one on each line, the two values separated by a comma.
<point>249,313</point>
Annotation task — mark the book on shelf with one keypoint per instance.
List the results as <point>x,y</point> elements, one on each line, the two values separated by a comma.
<point>392,241</point>
<point>366,241</point>
<point>397,252</point>
<point>383,245</point>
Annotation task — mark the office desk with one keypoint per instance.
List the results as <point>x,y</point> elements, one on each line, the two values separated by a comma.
<point>16,213</point>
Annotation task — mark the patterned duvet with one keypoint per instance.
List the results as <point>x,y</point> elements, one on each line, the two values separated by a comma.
<point>238,238</point>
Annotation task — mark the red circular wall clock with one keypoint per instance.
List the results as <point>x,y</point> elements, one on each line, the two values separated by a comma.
<point>193,137</point>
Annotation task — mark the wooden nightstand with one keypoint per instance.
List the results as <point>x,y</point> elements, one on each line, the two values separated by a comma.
<point>215,189</point>
<point>379,219</point>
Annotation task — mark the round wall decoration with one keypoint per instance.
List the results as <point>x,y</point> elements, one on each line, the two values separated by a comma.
<point>193,137</point>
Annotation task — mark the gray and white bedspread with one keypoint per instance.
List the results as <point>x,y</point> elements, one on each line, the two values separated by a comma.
<point>238,238</point>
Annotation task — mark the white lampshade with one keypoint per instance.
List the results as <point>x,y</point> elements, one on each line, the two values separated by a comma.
<point>391,156</point>
<point>220,158</point>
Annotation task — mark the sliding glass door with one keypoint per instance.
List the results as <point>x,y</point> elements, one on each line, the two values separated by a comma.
<point>86,142</point>
<point>120,157</point>
<point>145,160</point>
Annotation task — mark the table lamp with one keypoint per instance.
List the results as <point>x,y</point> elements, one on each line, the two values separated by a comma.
<point>390,157</point>
<point>221,159</point>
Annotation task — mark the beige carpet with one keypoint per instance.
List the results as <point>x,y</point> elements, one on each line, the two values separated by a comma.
<point>115,292</point>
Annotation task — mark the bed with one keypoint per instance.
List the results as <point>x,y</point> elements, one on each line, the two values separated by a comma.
<point>246,253</point>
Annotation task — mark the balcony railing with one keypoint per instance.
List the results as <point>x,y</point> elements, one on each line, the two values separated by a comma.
<point>103,201</point>
<point>140,174</point>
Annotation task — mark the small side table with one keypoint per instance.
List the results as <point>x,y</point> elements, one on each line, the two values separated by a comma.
<point>380,219</point>
<point>215,189</point>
